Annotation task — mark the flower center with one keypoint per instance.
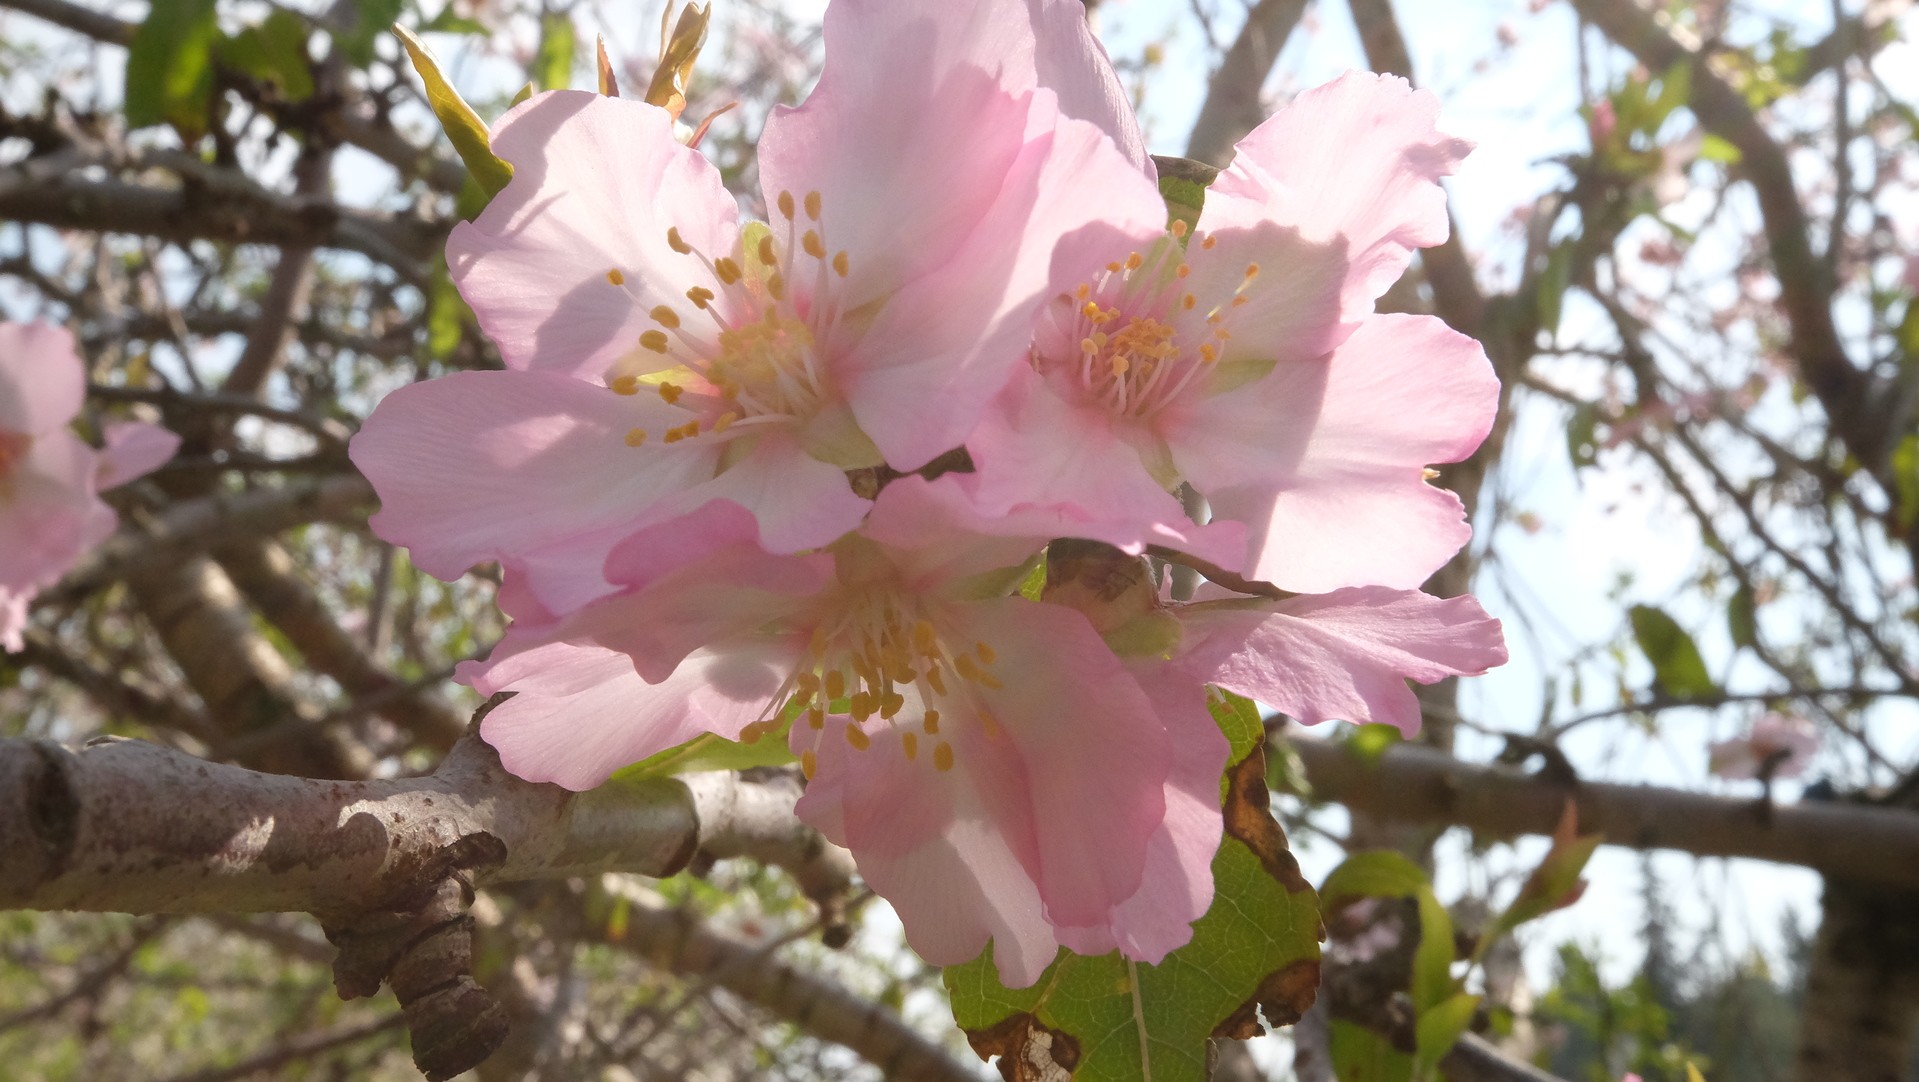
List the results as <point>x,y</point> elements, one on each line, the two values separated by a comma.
<point>884,654</point>
<point>1142,339</point>
<point>754,356</point>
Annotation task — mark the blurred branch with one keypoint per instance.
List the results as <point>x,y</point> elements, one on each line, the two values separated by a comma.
<point>1417,784</point>
<point>1233,105</point>
<point>678,941</point>
<point>295,1048</point>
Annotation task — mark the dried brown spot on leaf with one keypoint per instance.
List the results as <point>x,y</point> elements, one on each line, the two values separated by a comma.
<point>1028,1051</point>
<point>1283,995</point>
<point>1249,818</point>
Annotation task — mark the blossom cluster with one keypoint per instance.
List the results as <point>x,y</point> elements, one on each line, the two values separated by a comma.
<point>51,513</point>
<point>794,478</point>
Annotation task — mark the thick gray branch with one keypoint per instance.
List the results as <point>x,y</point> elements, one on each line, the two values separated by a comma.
<point>126,826</point>
<point>1847,841</point>
<point>1233,106</point>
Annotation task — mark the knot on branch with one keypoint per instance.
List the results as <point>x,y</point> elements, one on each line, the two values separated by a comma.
<point>422,945</point>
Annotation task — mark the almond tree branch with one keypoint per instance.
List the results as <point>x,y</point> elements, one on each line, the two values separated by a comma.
<point>1867,844</point>
<point>1233,106</point>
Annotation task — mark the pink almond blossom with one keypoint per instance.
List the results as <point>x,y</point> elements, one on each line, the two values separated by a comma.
<point>994,768</point>
<point>1246,360</point>
<point>1779,746</point>
<point>661,355</point>
<point>50,511</point>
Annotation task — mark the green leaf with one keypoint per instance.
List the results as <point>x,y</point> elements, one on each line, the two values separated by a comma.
<point>274,52</point>
<point>1360,1055</point>
<point>462,125</point>
<point>1742,616</point>
<point>1712,148</point>
<point>1238,718</point>
<point>1678,670</point>
<point>1551,295</point>
<point>1373,873</point>
<point>1034,584</point>
<point>1108,1018</point>
<point>1905,477</point>
<point>169,76</point>
<point>1183,183</point>
<point>1433,961</point>
<point>553,63</point>
<point>707,752</point>
<point>449,21</point>
<point>1439,1028</point>
<point>1555,883</point>
<point>1371,740</point>
<point>370,18</point>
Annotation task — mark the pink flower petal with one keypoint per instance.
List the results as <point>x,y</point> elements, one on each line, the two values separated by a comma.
<point>597,182</point>
<point>1356,164</point>
<point>926,843</point>
<point>1324,461</point>
<point>1177,886</point>
<point>49,516</point>
<point>13,618</point>
<point>581,712</point>
<point>1344,655</point>
<point>482,466</point>
<point>133,450</point>
<point>42,381</point>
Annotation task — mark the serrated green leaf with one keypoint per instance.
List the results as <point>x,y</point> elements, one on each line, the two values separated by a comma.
<point>169,74</point>
<point>1678,670</point>
<point>1742,617</point>
<point>1439,1028</point>
<point>1107,1018</point>
<point>463,126</point>
<point>274,51</point>
<point>553,63</point>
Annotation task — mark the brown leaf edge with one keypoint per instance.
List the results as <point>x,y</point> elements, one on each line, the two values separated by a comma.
<point>1285,993</point>
<point>1028,1051</point>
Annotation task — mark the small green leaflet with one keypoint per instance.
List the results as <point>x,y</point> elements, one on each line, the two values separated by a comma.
<point>1678,670</point>
<point>463,126</point>
<point>169,76</point>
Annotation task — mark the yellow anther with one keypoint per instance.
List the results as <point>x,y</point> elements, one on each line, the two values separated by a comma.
<point>1091,311</point>
<point>1177,229</point>
<point>807,683</point>
<point>936,680</point>
<point>1115,267</point>
<point>625,385</point>
<point>891,703</point>
<point>967,667</point>
<point>728,270</point>
<point>813,205</point>
<point>1182,271</point>
<point>786,205</point>
<point>816,645</point>
<point>766,251</point>
<point>816,718</point>
<point>725,421</point>
<point>665,317</point>
<point>1237,301</point>
<point>925,639</point>
<point>1088,346</point>
<point>1429,474</point>
<point>674,435</point>
<point>931,723</point>
<point>1209,242</point>
<point>615,278</point>
<point>836,685</point>
<point>635,437</point>
<point>839,264</point>
<point>674,242</point>
<point>1120,366</point>
<point>1208,352</point>
<point>857,737</point>
<point>1252,271</point>
<point>1188,302</point>
<point>943,757</point>
<point>699,295</point>
<point>809,764</point>
<point>814,247</point>
<point>987,655</point>
<point>670,393</point>
<point>751,734</point>
<point>654,340</point>
<point>861,706</point>
<point>776,285</point>
<point>910,744</point>
<point>1133,261</point>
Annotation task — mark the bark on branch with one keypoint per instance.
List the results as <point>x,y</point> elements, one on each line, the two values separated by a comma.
<point>1848,841</point>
